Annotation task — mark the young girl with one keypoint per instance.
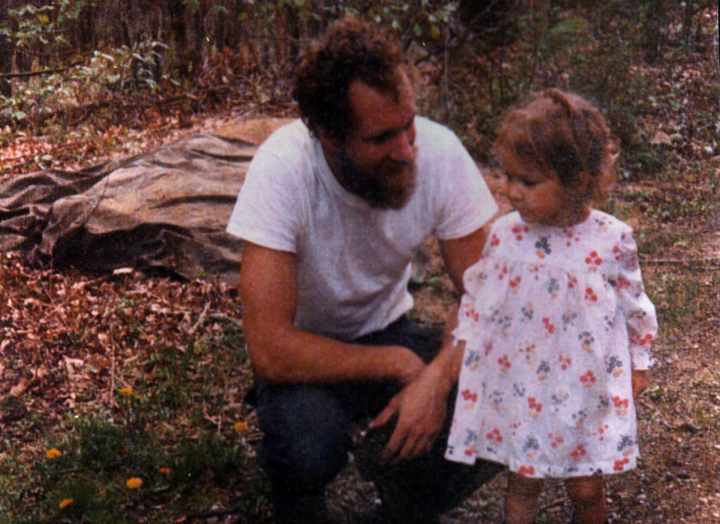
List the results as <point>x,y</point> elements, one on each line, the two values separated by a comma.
<point>555,324</point>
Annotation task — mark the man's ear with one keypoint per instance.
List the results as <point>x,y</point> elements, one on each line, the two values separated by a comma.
<point>326,140</point>
<point>330,146</point>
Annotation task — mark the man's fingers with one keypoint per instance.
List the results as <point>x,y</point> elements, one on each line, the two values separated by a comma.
<point>406,443</point>
<point>395,446</point>
<point>417,445</point>
<point>384,416</point>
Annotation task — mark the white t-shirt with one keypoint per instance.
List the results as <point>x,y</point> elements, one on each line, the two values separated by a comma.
<point>354,261</point>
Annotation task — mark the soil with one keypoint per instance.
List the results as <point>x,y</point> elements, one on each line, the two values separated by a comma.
<point>675,482</point>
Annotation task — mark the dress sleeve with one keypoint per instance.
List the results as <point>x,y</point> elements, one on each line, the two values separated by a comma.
<point>468,315</point>
<point>637,308</point>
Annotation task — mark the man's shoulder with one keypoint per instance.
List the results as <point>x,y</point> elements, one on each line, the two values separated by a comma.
<point>438,144</point>
<point>289,152</point>
<point>427,128</point>
<point>287,137</point>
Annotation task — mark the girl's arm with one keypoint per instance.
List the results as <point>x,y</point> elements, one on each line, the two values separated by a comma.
<point>639,313</point>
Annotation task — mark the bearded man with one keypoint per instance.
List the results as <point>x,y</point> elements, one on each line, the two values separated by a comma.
<point>332,211</point>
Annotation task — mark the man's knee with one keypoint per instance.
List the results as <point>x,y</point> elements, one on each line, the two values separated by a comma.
<point>307,436</point>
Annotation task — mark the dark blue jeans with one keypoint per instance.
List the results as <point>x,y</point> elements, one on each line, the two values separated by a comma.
<point>308,435</point>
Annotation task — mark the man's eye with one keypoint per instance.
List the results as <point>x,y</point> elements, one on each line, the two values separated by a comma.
<point>380,139</point>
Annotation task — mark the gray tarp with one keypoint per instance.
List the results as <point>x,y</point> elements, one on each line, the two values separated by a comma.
<point>164,211</point>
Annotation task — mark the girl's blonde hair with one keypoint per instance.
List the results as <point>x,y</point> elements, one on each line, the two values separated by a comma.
<point>564,133</point>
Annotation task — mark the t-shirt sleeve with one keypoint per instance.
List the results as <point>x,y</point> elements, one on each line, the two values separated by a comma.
<point>639,311</point>
<point>268,209</point>
<point>467,203</point>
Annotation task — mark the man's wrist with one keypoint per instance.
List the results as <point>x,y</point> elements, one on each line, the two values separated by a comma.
<point>442,376</point>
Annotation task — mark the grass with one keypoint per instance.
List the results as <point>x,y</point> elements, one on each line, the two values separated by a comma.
<point>171,416</point>
<point>183,469</point>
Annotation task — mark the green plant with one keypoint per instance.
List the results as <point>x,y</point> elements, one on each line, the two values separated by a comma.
<point>37,31</point>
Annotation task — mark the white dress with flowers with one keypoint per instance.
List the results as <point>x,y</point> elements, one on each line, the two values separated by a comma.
<point>554,320</point>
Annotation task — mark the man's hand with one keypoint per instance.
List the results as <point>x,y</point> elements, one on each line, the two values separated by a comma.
<point>421,408</point>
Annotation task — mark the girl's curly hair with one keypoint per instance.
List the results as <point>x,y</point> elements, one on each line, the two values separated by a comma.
<point>562,132</point>
<point>350,50</point>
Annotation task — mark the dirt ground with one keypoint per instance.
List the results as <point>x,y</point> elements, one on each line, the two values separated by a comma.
<point>675,482</point>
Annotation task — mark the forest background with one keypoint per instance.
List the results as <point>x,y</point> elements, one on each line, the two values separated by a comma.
<point>121,396</point>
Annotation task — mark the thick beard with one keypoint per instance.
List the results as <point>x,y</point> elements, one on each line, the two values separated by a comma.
<point>377,188</point>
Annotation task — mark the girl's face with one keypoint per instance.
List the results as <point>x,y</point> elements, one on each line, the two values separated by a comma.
<point>540,197</point>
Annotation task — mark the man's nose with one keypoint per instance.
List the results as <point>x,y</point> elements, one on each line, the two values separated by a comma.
<point>404,147</point>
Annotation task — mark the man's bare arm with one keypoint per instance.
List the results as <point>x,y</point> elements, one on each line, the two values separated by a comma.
<point>460,253</point>
<point>281,354</point>
<point>421,405</point>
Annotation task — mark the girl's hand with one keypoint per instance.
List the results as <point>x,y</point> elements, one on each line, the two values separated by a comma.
<point>639,382</point>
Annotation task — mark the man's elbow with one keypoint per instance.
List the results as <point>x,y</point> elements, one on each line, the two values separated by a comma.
<point>268,367</point>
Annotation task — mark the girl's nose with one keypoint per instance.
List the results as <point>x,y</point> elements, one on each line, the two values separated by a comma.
<point>513,192</point>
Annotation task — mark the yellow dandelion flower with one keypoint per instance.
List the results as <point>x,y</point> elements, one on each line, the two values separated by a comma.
<point>134,483</point>
<point>53,453</point>
<point>127,392</point>
<point>65,503</point>
<point>241,426</point>
<point>164,471</point>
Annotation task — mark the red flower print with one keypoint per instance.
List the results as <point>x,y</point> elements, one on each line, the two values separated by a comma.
<point>519,230</point>
<point>601,432</point>
<point>515,282</point>
<point>593,259</point>
<point>571,282</point>
<point>646,340</point>
<point>578,452</point>
<point>524,471</point>
<point>588,379</point>
<point>494,435</point>
<point>621,402</point>
<point>527,350</point>
<point>494,241</point>
<point>556,440</point>
<point>622,283</point>
<point>590,295</point>
<point>620,464</point>
<point>569,233</point>
<point>503,271</point>
<point>564,362</point>
<point>470,452</point>
<point>469,395</point>
<point>504,362</point>
<point>548,326</point>
<point>534,405</point>
<point>472,314</point>
<point>616,251</point>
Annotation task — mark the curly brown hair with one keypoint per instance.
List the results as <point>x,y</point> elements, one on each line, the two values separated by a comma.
<point>566,134</point>
<point>352,49</point>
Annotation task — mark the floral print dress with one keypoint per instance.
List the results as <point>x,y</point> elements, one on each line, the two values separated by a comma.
<point>554,320</point>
